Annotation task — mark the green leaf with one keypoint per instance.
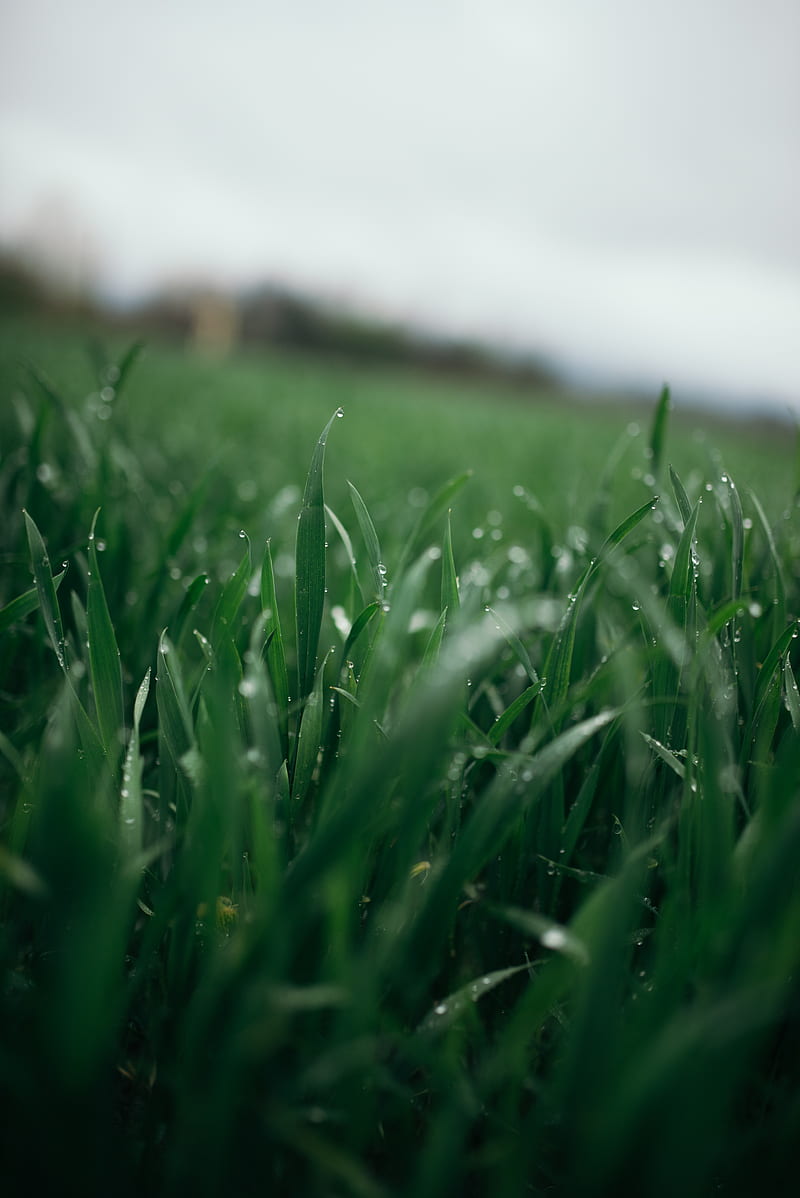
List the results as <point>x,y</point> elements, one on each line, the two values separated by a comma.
<point>104,660</point>
<point>310,567</point>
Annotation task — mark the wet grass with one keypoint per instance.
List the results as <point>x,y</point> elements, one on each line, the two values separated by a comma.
<point>427,835</point>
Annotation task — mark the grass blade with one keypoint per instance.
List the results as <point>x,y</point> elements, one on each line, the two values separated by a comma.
<point>131,821</point>
<point>445,1012</point>
<point>274,652</point>
<point>310,567</point>
<point>438,504</point>
<point>230,601</point>
<point>681,498</point>
<point>45,589</point>
<point>23,605</point>
<point>659,431</point>
<point>104,660</point>
<point>371,542</point>
<point>450,597</point>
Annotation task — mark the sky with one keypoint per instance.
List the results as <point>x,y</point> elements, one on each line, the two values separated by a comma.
<point>613,185</point>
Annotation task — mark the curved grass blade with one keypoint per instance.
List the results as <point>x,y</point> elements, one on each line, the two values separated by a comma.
<point>437,505</point>
<point>659,430</point>
<point>371,542</point>
<point>131,825</point>
<point>104,661</point>
<point>431,654</point>
<point>23,605</point>
<point>274,652</point>
<point>516,645</point>
<point>559,659</point>
<point>737,540</point>
<point>189,602</point>
<point>310,567</point>
<point>174,719</point>
<point>504,721</point>
<point>126,364</point>
<point>450,596</point>
<point>681,498</point>
<point>792,694</point>
<point>359,624</point>
<point>549,933</point>
<point>779,607</point>
<point>444,1013</point>
<point>46,591</point>
<point>344,537</point>
<point>230,601</point>
<point>309,738</point>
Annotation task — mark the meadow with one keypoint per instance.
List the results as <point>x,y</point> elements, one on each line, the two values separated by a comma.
<point>400,804</point>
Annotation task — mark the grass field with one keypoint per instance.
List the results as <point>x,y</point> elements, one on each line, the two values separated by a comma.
<point>372,828</point>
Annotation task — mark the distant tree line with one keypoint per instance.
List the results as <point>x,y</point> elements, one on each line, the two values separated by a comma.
<point>268,315</point>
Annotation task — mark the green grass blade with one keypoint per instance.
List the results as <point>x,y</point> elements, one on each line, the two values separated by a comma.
<point>792,694</point>
<point>371,542</point>
<point>549,933</point>
<point>504,721</point>
<point>24,604</point>
<point>131,812</point>
<point>274,651</point>
<point>104,660</point>
<point>658,431</point>
<point>779,606</point>
<point>359,624</point>
<point>450,596</point>
<point>310,567</point>
<point>431,654</point>
<point>447,1010</point>
<point>344,537</point>
<point>45,589</point>
<point>309,738</point>
<point>174,717</point>
<point>230,601</point>
<point>681,498</point>
<point>737,539</point>
<point>558,668</point>
<point>194,593</point>
<point>437,505</point>
<point>516,645</point>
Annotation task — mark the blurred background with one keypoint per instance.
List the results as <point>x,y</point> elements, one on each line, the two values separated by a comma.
<point>604,192</point>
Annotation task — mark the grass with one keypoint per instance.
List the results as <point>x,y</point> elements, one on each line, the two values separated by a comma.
<point>391,835</point>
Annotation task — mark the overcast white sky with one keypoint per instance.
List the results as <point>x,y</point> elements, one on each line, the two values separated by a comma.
<point>614,183</point>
